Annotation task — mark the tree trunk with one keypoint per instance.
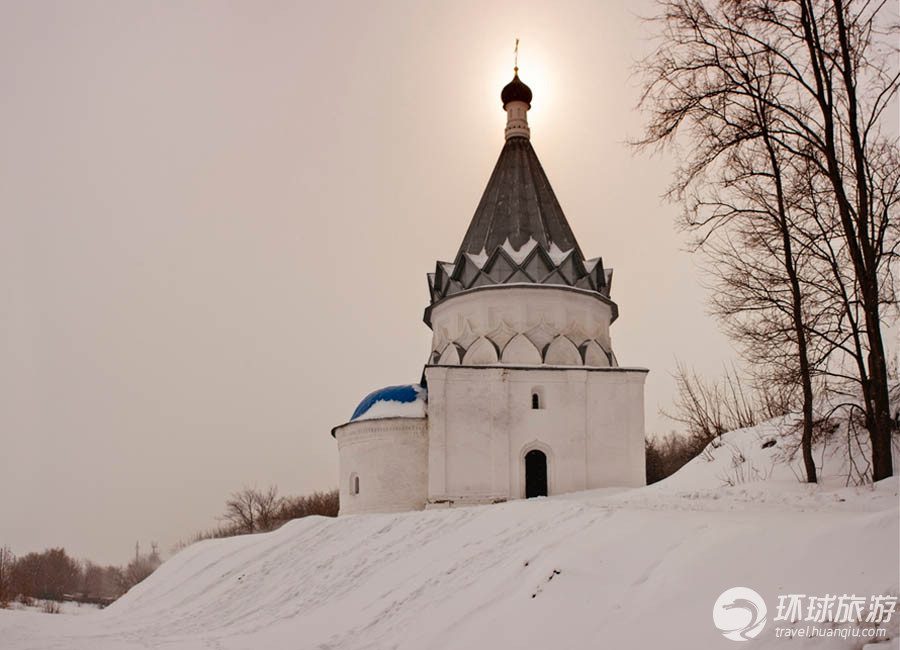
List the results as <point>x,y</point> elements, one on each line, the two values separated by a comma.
<point>797,316</point>
<point>855,224</point>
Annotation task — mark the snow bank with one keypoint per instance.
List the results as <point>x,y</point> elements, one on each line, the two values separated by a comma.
<point>616,568</point>
<point>771,452</point>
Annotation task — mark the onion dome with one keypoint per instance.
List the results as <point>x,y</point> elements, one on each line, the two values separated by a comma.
<point>516,91</point>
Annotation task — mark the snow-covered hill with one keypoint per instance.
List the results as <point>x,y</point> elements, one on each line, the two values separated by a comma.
<point>637,568</point>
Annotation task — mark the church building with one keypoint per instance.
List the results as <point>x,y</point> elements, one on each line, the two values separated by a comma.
<point>522,395</point>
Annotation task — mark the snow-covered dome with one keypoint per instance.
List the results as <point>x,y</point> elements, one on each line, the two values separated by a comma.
<point>406,401</point>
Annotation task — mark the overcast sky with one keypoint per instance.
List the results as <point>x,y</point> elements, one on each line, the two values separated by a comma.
<point>216,220</point>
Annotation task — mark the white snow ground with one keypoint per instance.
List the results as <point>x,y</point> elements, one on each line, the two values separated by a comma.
<point>638,568</point>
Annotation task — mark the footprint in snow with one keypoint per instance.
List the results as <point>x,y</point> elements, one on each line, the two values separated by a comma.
<point>556,572</point>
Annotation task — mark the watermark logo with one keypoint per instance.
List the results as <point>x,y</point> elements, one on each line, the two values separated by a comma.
<point>739,613</point>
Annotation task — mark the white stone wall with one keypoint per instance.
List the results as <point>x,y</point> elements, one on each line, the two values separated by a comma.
<point>518,325</point>
<point>389,455</point>
<point>481,424</point>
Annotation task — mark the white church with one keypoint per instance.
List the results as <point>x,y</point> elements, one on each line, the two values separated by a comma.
<point>522,395</point>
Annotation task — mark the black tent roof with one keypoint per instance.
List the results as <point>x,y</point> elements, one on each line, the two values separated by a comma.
<point>519,234</point>
<point>518,204</point>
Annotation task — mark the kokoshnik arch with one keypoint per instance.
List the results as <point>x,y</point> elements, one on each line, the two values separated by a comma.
<point>522,395</point>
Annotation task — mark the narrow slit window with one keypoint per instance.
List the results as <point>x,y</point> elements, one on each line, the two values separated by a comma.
<point>354,484</point>
<point>535,401</point>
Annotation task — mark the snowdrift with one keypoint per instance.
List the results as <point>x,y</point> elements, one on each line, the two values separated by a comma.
<point>638,568</point>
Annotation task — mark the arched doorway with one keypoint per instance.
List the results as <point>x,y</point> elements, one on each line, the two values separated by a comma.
<point>535,474</point>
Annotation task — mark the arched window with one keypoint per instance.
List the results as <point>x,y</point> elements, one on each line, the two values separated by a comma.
<point>537,398</point>
<point>354,484</point>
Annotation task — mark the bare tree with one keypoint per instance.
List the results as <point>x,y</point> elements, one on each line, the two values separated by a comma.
<point>92,581</point>
<point>267,511</point>
<point>710,408</point>
<point>839,40</point>
<point>766,95</point>
<point>707,409</point>
<point>7,562</point>
<point>51,574</point>
<point>240,510</point>
<point>251,510</point>
<point>268,504</point>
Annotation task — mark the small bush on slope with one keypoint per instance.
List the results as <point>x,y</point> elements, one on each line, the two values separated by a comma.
<point>254,511</point>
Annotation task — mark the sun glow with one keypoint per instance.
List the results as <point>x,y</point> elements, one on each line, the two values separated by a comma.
<point>534,70</point>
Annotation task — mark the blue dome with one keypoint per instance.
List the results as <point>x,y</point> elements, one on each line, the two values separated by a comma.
<point>403,394</point>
